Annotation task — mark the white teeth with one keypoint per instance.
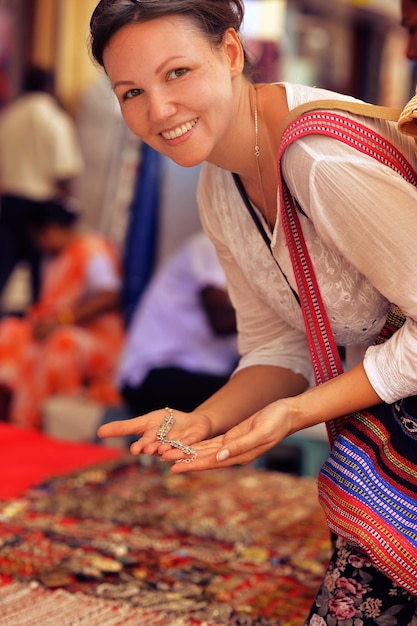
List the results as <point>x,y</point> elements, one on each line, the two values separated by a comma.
<point>178,132</point>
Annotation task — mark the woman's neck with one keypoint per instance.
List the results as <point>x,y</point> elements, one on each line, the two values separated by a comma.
<point>261,111</point>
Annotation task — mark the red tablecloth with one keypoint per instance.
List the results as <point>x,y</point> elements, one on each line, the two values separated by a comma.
<point>27,457</point>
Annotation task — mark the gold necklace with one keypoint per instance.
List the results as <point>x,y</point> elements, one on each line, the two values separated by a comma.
<point>258,154</point>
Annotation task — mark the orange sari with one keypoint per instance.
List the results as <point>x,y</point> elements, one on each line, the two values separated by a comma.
<point>73,357</point>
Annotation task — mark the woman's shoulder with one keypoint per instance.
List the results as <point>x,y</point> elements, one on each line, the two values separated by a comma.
<point>300,94</point>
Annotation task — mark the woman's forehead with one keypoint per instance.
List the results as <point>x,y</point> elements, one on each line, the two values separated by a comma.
<point>152,43</point>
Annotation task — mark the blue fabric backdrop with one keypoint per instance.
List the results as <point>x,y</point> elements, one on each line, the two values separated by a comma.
<point>142,232</point>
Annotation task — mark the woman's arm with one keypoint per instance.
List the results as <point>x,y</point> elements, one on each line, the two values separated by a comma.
<point>367,213</point>
<point>243,443</point>
<point>93,305</point>
<point>246,392</point>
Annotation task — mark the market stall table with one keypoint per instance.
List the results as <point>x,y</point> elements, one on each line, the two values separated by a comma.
<point>118,543</point>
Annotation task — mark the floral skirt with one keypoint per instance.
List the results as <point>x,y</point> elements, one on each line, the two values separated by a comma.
<point>355,593</point>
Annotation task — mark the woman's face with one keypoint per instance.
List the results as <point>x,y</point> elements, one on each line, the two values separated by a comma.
<point>51,239</point>
<point>175,90</point>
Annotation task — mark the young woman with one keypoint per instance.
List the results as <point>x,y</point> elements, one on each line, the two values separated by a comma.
<point>181,75</point>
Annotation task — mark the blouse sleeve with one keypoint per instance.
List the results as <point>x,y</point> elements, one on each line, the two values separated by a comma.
<point>367,213</point>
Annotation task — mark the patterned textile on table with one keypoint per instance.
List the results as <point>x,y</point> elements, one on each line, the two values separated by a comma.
<point>73,357</point>
<point>121,543</point>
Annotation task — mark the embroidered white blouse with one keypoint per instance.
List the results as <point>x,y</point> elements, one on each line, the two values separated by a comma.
<point>361,231</point>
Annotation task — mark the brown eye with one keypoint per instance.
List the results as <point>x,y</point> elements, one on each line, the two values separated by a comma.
<point>177,73</point>
<point>132,93</point>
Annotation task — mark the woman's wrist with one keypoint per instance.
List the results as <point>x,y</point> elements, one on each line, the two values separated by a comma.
<point>292,414</point>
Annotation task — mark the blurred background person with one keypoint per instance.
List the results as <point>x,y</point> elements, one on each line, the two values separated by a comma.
<point>39,157</point>
<point>69,341</point>
<point>409,21</point>
<point>181,342</point>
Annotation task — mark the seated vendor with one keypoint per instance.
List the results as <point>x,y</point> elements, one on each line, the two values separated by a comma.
<point>181,344</point>
<point>71,338</point>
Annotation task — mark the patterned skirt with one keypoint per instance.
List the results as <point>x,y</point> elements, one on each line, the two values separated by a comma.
<point>355,593</point>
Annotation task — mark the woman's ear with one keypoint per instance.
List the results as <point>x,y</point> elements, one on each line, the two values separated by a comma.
<point>233,49</point>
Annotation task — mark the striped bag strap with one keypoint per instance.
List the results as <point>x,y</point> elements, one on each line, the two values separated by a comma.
<point>355,107</point>
<point>324,354</point>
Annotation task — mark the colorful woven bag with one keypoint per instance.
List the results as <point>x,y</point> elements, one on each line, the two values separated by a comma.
<point>368,485</point>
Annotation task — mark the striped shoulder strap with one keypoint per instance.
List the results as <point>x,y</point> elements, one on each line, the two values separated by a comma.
<point>358,108</point>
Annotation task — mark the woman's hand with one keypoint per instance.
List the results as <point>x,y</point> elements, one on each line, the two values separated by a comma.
<point>241,444</point>
<point>245,392</point>
<point>246,440</point>
<point>188,428</point>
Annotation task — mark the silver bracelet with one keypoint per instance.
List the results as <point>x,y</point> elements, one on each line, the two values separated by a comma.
<point>163,431</point>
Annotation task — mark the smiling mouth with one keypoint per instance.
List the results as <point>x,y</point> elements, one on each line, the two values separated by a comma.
<point>179,131</point>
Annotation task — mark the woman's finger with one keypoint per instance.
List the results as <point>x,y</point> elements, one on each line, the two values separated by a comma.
<point>121,427</point>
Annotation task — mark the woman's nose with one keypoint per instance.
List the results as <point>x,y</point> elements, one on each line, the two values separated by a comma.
<point>161,108</point>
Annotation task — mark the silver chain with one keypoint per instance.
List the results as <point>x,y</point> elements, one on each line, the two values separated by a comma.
<point>163,431</point>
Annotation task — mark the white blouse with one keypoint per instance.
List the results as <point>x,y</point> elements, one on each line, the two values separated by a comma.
<point>361,231</point>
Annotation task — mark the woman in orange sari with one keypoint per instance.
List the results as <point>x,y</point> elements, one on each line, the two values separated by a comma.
<point>71,338</point>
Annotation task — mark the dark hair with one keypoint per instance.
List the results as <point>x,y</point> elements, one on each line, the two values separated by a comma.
<point>50,213</point>
<point>38,79</point>
<point>213,17</point>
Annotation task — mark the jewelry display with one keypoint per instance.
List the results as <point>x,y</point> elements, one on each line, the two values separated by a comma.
<point>163,431</point>
<point>210,548</point>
